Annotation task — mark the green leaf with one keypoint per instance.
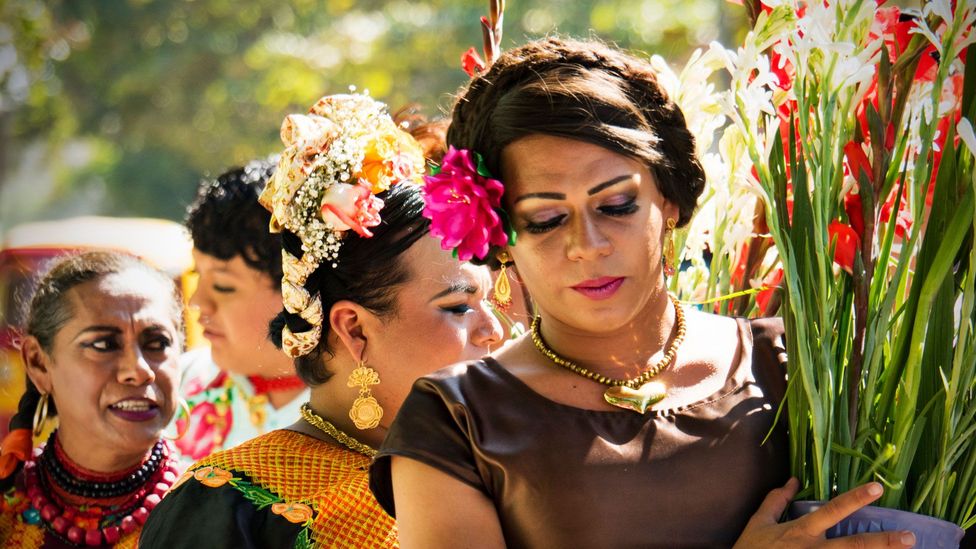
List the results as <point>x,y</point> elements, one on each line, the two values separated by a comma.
<point>303,540</point>
<point>481,168</point>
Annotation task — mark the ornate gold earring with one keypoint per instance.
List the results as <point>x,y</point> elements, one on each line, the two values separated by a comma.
<point>501,295</point>
<point>185,409</point>
<point>668,254</point>
<point>366,411</point>
<point>40,414</point>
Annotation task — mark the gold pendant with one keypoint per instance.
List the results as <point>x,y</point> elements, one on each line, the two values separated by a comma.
<point>637,400</point>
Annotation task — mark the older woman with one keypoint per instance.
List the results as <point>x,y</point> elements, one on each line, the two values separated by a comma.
<point>102,351</point>
<point>622,420</point>
<point>371,304</point>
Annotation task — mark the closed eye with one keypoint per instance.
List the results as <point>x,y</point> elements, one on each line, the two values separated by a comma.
<point>544,226</point>
<point>458,309</point>
<point>617,210</point>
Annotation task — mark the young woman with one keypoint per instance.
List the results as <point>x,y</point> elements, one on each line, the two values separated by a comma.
<point>371,304</point>
<point>622,419</point>
<point>102,351</point>
<point>239,386</point>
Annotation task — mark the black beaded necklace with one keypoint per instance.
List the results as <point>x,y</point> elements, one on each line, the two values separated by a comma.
<point>73,485</point>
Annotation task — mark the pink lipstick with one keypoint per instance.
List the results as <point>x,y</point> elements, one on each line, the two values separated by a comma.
<point>600,288</point>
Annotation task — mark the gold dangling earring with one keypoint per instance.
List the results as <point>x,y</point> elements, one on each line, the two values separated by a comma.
<point>501,296</point>
<point>366,411</point>
<point>40,414</point>
<point>668,254</point>
<point>185,409</point>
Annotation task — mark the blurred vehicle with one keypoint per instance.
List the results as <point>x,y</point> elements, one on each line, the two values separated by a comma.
<point>27,250</point>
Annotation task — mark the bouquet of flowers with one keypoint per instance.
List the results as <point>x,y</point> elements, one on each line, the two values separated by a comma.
<point>851,150</point>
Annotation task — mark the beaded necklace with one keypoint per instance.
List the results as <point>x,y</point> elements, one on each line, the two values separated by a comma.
<point>637,394</point>
<point>328,428</point>
<point>110,505</point>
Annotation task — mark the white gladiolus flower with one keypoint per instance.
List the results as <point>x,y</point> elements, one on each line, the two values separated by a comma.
<point>965,130</point>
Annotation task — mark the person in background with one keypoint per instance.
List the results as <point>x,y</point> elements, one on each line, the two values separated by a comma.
<point>102,348</point>
<point>241,386</point>
<point>370,304</point>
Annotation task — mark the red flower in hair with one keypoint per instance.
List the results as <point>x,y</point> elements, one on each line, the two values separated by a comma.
<point>472,63</point>
<point>463,203</point>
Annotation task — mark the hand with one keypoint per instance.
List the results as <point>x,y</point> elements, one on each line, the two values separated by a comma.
<point>764,530</point>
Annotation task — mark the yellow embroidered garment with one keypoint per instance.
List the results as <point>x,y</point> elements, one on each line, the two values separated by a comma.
<point>319,489</point>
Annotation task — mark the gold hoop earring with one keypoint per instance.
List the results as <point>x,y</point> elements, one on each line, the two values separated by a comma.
<point>40,414</point>
<point>180,433</point>
<point>366,412</point>
<point>668,255</point>
<point>501,295</point>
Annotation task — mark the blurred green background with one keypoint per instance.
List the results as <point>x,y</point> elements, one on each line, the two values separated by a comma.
<point>120,107</point>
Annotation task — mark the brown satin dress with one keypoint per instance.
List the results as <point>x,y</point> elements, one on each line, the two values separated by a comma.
<point>567,477</point>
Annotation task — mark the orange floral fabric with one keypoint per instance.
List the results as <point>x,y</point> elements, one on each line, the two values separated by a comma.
<point>317,480</point>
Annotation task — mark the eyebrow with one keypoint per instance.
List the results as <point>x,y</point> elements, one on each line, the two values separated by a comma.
<point>456,287</point>
<point>590,192</point>
<point>116,330</point>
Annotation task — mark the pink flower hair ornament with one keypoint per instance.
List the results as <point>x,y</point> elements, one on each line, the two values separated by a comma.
<point>463,202</point>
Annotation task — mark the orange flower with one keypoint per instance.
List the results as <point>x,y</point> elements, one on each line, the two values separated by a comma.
<point>212,476</point>
<point>298,513</point>
<point>392,157</point>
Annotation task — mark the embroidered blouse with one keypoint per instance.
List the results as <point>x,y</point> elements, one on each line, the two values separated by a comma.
<point>283,489</point>
<point>224,409</point>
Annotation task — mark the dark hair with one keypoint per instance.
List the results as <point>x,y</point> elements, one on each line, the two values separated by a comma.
<point>50,309</point>
<point>368,271</point>
<point>226,220</point>
<point>582,90</point>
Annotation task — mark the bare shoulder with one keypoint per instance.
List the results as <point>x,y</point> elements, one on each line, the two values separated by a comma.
<point>712,334</point>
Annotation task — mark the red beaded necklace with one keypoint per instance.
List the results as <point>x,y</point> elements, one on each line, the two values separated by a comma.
<point>264,385</point>
<point>87,508</point>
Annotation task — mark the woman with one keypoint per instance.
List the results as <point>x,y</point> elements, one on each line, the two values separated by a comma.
<point>622,420</point>
<point>102,350</point>
<point>240,386</point>
<point>370,305</point>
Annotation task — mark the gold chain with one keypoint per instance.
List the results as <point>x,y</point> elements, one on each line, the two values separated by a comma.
<point>328,428</point>
<point>543,348</point>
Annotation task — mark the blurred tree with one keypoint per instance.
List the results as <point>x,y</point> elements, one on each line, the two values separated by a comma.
<point>120,106</point>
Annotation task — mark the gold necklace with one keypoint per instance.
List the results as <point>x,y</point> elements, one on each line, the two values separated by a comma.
<point>636,394</point>
<point>328,428</point>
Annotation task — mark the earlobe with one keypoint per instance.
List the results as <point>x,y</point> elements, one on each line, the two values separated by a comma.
<point>36,363</point>
<point>348,322</point>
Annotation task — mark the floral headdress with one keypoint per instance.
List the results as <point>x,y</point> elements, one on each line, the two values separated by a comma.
<point>337,158</point>
<point>463,199</point>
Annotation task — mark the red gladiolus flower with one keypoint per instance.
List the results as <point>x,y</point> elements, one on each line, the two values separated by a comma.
<point>857,161</point>
<point>855,213</point>
<point>472,63</point>
<point>771,281</point>
<point>846,244</point>
<point>903,222</point>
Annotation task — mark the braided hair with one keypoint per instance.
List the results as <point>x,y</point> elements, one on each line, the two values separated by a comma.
<point>368,271</point>
<point>583,90</point>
